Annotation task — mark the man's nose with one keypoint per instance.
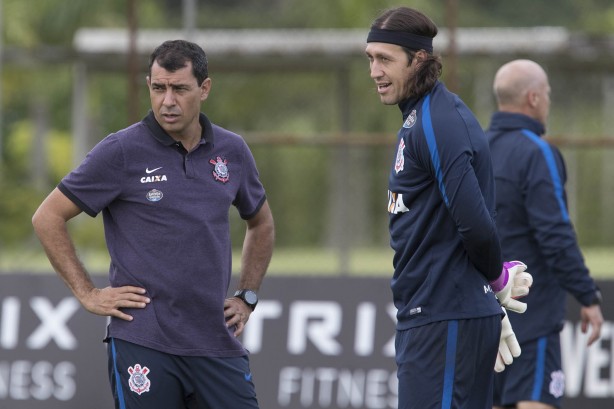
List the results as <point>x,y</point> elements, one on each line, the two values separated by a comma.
<point>375,70</point>
<point>169,97</point>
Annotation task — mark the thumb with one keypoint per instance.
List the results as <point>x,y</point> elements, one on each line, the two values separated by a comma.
<point>516,306</point>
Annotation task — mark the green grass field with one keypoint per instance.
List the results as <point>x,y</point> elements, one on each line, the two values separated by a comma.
<point>287,261</point>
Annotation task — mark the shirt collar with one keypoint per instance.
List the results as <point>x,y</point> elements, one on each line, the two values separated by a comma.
<point>160,134</point>
<point>407,105</point>
<point>511,120</point>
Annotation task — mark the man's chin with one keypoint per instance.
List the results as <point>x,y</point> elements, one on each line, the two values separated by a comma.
<point>388,100</point>
<point>169,128</point>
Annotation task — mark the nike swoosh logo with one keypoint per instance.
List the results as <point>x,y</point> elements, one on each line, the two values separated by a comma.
<point>248,377</point>
<point>153,170</point>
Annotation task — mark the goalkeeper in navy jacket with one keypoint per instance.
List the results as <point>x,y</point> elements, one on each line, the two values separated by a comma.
<point>441,200</point>
<point>534,226</point>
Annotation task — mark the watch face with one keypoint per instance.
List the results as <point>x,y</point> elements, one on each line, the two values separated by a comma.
<point>250,297</point>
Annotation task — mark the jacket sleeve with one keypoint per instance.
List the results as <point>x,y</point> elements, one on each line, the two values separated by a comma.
<point>546,206</point>
<point>461,164</point>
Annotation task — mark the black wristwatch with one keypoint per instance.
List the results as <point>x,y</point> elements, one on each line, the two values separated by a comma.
<point>249,297</point>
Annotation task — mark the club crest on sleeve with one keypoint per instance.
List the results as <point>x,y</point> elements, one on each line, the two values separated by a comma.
<point>138,381</point>
<point>399,163</point>
<point>220,169</point>
<point>411,120</point>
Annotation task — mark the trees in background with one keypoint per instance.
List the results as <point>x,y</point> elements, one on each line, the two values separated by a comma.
<point>37,89</point>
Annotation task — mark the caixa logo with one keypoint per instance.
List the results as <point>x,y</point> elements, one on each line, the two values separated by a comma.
<point>154,178</point>
<point>52,325</point>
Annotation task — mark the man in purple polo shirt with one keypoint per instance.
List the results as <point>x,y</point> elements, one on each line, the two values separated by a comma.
<point>164,186</point>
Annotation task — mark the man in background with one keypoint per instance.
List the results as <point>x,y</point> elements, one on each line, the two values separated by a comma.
<point>441,201</point>
<point>534,226</point>
<point>165,186</point>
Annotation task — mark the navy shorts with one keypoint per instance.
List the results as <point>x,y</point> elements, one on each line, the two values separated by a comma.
<point>448,364</point>
<point>536,375</point>
<point>143,378</point>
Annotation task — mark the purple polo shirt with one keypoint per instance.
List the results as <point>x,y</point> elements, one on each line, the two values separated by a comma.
<point>166,221</point>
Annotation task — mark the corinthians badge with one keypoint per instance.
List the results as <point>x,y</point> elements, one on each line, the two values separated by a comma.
<point>220,169</point>
<point>138,381</point>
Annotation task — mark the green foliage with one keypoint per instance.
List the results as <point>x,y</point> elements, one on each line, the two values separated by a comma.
<point>252,101</point>
<point>16,209</point>
<point>88,232</point>
<point>298,178</point>
<point>47,23</point>
<point>54,22</point>
<point>594,16</point>
<point>19,148</point>
<point>20,197</point>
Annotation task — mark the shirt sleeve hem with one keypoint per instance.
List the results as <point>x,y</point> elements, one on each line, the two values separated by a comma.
<point>256,210</point>
<point>76,200</point>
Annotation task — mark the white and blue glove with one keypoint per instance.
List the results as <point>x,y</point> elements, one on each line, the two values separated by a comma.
<point>509,348</point>
<point>514,282</point>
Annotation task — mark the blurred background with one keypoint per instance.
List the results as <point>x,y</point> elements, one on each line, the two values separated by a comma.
<point>292,78</point>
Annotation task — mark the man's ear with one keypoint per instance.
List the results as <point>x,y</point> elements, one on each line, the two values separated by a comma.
<point>421,55</point>
<point>532,99</point>
<point>205,88</point>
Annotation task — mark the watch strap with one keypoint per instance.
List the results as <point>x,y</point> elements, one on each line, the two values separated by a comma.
<point>248,296</point>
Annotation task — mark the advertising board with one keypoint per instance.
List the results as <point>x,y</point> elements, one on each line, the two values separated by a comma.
<point>314,342</point>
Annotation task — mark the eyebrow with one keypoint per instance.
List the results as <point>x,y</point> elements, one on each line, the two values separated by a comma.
<point>165,85</point>
<point>379,54</point>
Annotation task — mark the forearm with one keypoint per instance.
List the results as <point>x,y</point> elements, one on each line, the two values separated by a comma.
<point>480,239</point>
<point>486,256</point>
<point>53,235</point>
<point>571,272</point>
<point>257,251</point>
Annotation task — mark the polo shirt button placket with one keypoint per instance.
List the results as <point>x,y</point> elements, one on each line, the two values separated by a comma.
<point>189,167</point>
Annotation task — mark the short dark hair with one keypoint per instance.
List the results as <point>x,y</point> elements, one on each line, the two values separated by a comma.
<point>174,54</point>
<point>412,21</point>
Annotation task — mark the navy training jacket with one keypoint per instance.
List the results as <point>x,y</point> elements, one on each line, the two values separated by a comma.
<point>441,202</point>
<point>533,222</point>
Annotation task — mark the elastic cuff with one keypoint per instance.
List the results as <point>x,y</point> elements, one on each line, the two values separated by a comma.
<point>500,283</point>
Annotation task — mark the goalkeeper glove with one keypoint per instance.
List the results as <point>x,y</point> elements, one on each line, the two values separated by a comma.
<point>514,282</point>
<point>509,348</point>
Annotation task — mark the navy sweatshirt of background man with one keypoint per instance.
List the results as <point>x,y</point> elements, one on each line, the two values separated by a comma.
<point>533,222</point>
<point>441,205</point>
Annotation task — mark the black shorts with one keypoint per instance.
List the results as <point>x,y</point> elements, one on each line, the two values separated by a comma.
<point>448,364</point>
<point>536,375</point>
<point>143,378</point>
